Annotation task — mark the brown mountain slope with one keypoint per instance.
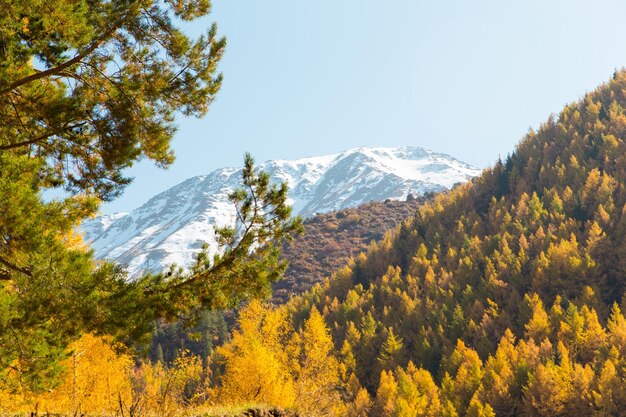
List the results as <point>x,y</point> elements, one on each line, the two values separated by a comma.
<point>331,239</point>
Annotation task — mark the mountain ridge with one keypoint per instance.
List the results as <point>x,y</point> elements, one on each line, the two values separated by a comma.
<point>171,227</point>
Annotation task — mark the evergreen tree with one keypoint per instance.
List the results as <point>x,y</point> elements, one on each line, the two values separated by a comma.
<point>86,90</point>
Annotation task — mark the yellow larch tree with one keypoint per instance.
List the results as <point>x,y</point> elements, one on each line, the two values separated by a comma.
<point>256,364</point>
<point>319,379</point>
<point>167,391</point>
<point>538,327</point>
<point>95,379</point>
<point>386,395</point>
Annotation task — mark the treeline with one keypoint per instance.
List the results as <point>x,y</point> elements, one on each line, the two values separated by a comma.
<point>566,363</point>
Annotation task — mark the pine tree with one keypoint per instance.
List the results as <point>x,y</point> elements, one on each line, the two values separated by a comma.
<point>87,88</point>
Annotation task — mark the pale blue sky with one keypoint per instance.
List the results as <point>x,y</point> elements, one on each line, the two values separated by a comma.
<point>468,78</point>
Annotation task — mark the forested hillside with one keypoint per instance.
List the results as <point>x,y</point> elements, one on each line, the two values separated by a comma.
<point>502,297</point>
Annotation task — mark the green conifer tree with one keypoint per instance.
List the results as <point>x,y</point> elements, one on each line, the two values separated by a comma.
<point>87,88</point>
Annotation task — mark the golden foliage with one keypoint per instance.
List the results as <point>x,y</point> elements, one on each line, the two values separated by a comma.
<point>257,365</point>
<point>95,378</point>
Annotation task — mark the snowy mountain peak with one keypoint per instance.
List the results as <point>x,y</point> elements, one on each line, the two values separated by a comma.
<point>172,226</point>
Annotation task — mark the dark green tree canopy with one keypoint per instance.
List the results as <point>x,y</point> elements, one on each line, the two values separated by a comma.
<point>89,87</point>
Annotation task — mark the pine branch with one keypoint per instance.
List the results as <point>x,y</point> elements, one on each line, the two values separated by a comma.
<point>75,60</point>
<point>40,138</point>
<point>12,266</point>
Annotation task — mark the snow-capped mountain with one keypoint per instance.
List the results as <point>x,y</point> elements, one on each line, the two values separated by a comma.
<point>172,226</point>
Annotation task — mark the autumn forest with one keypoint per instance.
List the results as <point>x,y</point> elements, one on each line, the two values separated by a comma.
<point>504,296</point>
